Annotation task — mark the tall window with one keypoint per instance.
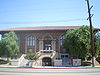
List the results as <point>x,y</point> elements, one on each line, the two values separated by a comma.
<point>47,45</point>
<point>62,38</point>
<point>17,41</point>
<point>31,41</point>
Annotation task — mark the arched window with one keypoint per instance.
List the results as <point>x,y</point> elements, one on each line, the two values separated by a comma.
<point>47,43</point>
<point>62,38</point>
<point>30,41</point>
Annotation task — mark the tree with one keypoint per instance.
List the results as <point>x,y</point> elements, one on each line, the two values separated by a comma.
<point>31,57</point>
<point>8,45</point>
<point>77,42</point>
<point>97,44</point>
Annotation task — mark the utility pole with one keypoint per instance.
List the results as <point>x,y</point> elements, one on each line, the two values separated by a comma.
<point>91,31</point>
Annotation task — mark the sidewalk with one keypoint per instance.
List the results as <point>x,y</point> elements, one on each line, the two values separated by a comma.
<point>6,65</point>
<point>48,67</point>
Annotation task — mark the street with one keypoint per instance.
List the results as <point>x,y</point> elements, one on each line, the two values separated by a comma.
<point>29,71</point>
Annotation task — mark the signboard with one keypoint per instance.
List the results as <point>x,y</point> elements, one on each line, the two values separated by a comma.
<point>57,62</point>
<point>76,62</point>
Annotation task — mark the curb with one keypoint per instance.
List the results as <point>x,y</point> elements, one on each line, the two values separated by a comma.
<point>53,67</point>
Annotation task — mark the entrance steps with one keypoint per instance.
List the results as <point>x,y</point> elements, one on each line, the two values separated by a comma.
<point>22,62</point>
<point>47,53</point>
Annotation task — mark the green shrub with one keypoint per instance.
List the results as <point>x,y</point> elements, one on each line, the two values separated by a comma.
<point>3,61</point>
<point>98,59</point>
<point>86,63</point>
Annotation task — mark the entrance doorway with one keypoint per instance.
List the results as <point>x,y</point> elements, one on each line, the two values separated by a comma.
<point>46,61</point>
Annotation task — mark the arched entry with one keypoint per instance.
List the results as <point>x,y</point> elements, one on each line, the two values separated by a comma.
<point>46,61</point>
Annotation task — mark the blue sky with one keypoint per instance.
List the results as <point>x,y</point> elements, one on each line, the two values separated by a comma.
<point>29,13</point>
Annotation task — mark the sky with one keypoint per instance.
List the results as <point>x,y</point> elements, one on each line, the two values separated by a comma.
<point>30,13</point>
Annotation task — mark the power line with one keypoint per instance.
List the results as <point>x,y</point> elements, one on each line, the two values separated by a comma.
<point>54,21</point>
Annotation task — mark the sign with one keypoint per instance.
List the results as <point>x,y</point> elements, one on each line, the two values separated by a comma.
<point>76,62</point>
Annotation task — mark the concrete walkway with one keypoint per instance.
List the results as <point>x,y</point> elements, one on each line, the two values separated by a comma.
<point>48,67</point>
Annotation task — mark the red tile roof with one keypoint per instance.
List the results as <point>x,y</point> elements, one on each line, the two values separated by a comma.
<point>41,28</point>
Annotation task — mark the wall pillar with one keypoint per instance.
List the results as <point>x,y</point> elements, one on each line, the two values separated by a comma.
<point>40,44</point>
<point>53,44</point>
